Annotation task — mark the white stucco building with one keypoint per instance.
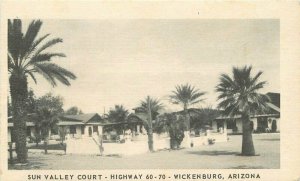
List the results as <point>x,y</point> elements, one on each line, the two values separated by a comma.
<point>267,122</point>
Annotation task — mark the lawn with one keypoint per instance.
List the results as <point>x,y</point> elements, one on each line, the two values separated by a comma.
<point>218,156</point>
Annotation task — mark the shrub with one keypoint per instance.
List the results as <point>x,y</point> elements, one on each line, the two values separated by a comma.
<point>274,126</point>
<point>211,141</point>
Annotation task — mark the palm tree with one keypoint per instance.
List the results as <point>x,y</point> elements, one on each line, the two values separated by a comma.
<point>175,126</point>
<point>118,114</point>
<point>151,107</point>
<point>203,117</point>
<point>27,57</point>
<point>186,95</point>
<point>239,95</point>
<point>73,111</point>
<point>47,120</point>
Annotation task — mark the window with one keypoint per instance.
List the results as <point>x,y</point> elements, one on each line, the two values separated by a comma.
<point>231,124</point>
<point>72,129</point>
<point>95,129</point>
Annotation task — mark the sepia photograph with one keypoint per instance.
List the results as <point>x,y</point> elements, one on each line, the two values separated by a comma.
<point>100,94</point>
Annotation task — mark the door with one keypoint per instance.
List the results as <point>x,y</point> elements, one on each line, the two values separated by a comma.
<point>90,131</point>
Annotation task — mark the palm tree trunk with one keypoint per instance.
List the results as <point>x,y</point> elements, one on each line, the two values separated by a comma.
<point>46,138</point>
<point>18,90</point>
<point>187,117</point>
<point>150,140</point>
<point>46,145</point>
<point>247,144</point>
<point>187,133</point>
<point>150,130</point>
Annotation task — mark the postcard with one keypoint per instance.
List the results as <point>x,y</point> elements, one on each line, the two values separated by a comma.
<point>150,90</point>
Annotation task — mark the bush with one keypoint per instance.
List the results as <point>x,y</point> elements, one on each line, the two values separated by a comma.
<point>176,131</point>
<point>211,141</point>
<point>274,126</point>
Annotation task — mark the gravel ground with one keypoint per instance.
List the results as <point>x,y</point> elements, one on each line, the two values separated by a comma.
<point>218,156</point>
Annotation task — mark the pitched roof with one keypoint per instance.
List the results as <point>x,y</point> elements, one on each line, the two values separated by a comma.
<point>80,117</point>
<point>140,116</point>
<point>275,108</point>
<point>275,98</point>
<point>69,123</point>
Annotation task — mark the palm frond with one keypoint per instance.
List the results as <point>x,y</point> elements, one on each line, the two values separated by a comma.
<point>30,36</point>
<point>52,71</point>
<point>239,93</point>
<point>155,106</point>
<point>47,45</point>
<point>186,95</point>
<point>45,57</point>
<point>14,39</point>
<point>33,77</point>
<point>34,45</point>
<point>44,72</point>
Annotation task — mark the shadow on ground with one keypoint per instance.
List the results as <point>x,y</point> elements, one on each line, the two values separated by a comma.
<point>247,167</point>
<point>274,139</point>
<point>30,166</point>
<point>213,153</point>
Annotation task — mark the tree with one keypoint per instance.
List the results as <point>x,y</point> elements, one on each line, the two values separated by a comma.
<point>27,57</point>
<point>31,102</point>
<point>49,108</point>
<point>62,131</point>
<point>203,117</point>
<point>73,111</point>
<point>186,95</point>
<point>118,114</point>
<point>48,119</point>
<point>239,95</point>
<point>151,107</point>
<point>175,126</point>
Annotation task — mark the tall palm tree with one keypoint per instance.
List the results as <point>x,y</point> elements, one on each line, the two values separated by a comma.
<point>239,95</point>
<point>186,95</point>
<point>151,107</point>
<point>27,57</point>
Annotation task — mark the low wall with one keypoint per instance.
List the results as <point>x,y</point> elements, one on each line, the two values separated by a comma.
<point>139,146</point>
<point>127,148</point>
<point>82,146</point>
<point>135,147</point>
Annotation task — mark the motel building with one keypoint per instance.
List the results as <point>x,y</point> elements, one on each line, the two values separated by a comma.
<point>84,126</point>
<point>130,136</point>
<point>30,128</point>
<point>261,123</point>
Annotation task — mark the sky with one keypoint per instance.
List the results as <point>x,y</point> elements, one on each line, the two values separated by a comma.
<point>123,61</point>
